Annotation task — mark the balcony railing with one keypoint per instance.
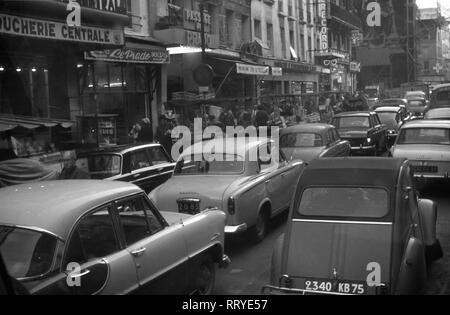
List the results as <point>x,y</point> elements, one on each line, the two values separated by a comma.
<point>343,16</point>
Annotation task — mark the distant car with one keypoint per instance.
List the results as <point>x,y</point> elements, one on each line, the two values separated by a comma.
<point>393,102</point>
<point>247,179</point>
<point>417,106</point>
<point>392,118</point>
<point>356,227</point>
<point>100,237</point>
<point>307,142</point>
<point>426,143</point>
<point>364,130</point>
<point>438,114</point>
<point>146,166</point>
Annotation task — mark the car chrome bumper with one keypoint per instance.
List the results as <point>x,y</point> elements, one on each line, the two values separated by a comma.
<point>273,290</point>
<point>236,228</point>
<point>226,261</point>
<point>432,176</point>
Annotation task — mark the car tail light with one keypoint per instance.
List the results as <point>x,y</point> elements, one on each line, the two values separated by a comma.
<point>231,206</point>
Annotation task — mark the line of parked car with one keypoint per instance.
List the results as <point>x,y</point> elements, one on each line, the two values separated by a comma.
<point>356,225</point>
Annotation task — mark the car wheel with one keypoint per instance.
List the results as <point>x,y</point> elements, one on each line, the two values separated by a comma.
<point>206,276</point>
<point>260,229</point>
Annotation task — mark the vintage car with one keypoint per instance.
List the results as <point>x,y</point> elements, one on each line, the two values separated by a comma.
<point>417,107</point>
<point>102,237</point>
<point>364,130</point>
<point>307,142</point>
<point>440,96</point>
<point>356,227</point>
<point>253,183</point>
<point>392,117</point>
<point>426,143</point>
<point>438,114</point>
<point>146,166</point>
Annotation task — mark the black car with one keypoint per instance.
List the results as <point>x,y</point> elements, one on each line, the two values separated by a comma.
<point>364,130</point>
<point>146,166</point>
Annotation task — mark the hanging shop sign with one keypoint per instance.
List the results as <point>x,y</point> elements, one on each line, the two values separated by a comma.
<point>41,29</point>
<point>355,66</point>
<point>323,14</point>
<point>252,70</point>
<point>277,71</point>
<point>131,55</point>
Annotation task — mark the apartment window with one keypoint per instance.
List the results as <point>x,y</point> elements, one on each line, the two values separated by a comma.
<point>257,27</point>
<point>270,36</point>
<point>283,41</point>
<point>246,32</point>
<point>302,47</point>
<point>229,27</point>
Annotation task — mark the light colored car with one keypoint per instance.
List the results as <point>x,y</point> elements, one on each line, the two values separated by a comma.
<point>102,237</point>
<point>250,183</point>
<point>413,95</point>
<point>356,227</point>
<point>438,114</point>
<point>307,142</point>
<point>426,143</point>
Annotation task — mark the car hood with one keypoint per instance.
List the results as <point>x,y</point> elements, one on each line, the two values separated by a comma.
<point>353,133</point>
<point>302,154</point>
<point>341,251</point>
<point>209,189</point>
<point>422,152</point>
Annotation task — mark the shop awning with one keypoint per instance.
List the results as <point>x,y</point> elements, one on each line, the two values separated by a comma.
<point>8,122</point>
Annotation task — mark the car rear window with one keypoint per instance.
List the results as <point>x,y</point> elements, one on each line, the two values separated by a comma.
<point>221,164</point>
<point>104,165</point>
<point>27,253</point>
<point>345,202</point>
<point>352,122</point>
<point>301,140</point>
<point>424,136</point>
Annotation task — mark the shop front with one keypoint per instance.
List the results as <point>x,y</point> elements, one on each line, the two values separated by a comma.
<point>39,58</point>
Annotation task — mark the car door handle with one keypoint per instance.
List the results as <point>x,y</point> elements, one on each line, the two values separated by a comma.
<point>80,275</point>
<point>267,182</point>
<point>138,252</point>
<point>137,175</point>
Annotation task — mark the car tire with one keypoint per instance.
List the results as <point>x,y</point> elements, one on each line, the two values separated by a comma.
<point>206,276</point>
<point>259,231</point>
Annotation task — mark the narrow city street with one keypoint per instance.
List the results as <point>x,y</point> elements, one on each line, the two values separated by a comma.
<point>250,268</point>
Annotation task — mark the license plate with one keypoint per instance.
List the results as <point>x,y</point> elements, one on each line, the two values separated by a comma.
<point>339,287</point>
<point>189,206</point>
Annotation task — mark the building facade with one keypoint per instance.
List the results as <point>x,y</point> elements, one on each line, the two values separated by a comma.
<point>433,47</point>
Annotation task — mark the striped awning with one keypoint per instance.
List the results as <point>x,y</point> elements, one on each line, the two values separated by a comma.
<point>10,122</point>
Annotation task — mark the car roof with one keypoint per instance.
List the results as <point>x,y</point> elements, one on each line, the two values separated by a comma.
<point>439,110</point>
<point>218,144</point>
<point>441,86</point>
<point>120,149</point>
<point>317,128</point>
<point>388,109</point>
<point>54,206</point>
<point>427,124</point>
<point>350,114</point>
<point>353,171</point>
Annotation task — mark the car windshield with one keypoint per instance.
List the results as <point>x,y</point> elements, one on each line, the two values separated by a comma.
<point>222,164</point>
<point>104,166</point>
<point>424,136</point>
<point>344,202</point>
<point>352,122</point>
<point>301,140</point>
<point>27,253</point>
<point>390,119</point>
<point>372,93</point>
<point>411,96</point>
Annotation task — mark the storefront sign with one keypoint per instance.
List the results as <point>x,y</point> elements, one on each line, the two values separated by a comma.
<point>114,6</point>
<point>252,70</point>
<point>131,55</point>
<point>294,66</point>
<point>41,29</point>
<point>194,39</point>
<point>355,66</point>
<point>277,71</point>
<point>195,17</point>
<point>323,26</point>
